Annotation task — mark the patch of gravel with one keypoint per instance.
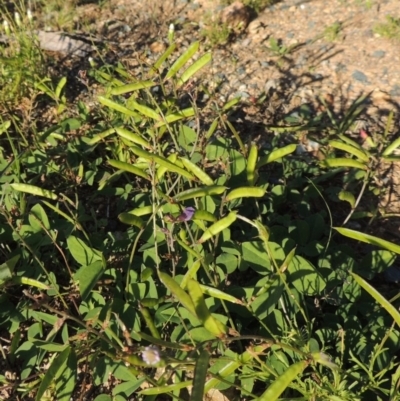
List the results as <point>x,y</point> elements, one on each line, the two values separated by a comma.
<point>338,67</point>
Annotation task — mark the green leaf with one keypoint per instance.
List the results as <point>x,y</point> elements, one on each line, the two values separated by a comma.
<point>51,372</point>
<point>161,59</point>
<point>194,68</point>
<point>66,378</point>
<point>88,277</point>
<point>375,262</point>
<point>103,397</point>
<point>344,162</point>
<point>270,292</point>
<point>361,154</point>
<point>182,60</point>
<point>129,168</point>
<point>146,111</point>
<point>173,117</point>
<point>82,253</point>
<point>304,277</point>
<point>120,90</point>
<point>38,218</point>
<point>230,367</point>
<point>181,295</point>
<point>199,377</point>
<point>7,268</point>
<point>117,107</point>
<point>131,219</point>
<point>33,190</point>
<point>199,192</point>
<point>213,325</point>
<point>369,239</point>
<point>378,298</point>
<point>253,253</point>
<point>162,161</point>
<point>348,197</point>
<point>393,146</point>
<point>165,389</point>
<point>282,382</point>
<point>276,155</point>
<point>130,136</point>
<point>47,345</point>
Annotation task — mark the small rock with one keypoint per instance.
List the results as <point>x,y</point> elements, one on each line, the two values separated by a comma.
<point>157,47</point>
<point>359,76</point>
<point>395,91</point>
<point>378,53</point>
<point>236,16</point>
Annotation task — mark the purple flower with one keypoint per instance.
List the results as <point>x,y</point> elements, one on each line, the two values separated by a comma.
<point>151,355</point>
<point>187,214</point>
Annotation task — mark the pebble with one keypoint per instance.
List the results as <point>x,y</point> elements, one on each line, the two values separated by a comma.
<point>359,76</point>
<point>378,53</point>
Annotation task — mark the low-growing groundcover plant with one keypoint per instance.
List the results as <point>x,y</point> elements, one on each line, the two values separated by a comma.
<point>148,253</point>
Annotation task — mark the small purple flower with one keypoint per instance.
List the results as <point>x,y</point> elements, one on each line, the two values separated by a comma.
<point>187,214</point>
<point>151,355</point>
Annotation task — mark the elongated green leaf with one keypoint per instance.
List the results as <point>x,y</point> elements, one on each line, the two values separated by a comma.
<point>60,87</point>
<point>344,162</point>
<point>161,59</point>
<point>231,103</point>
<point>118,107</point>
<point>146,111</point>
<point>276,155</point>
<point>142,211</point>
<point>390,158</point>
<point>348,197</point>
<point>215,293</point>
<point>31,189</point>
<point>182,60</point>
<point>66,378</point>
<point>369,239</point>
<point>131,219</point>
<point>214,326</point>
<point>393,146</point>
<point>351,142</point>
<point>51,372</point>
<point>200,192</point>
<point>5,126</point>
<point>173,117</point>
<point>282,382</point>
<point>197,171</point>
<point>88,277</point>
<point>165,389</point>
<point>124,133</point>
<point>194,68</point>
<point>162,162</point>
<point>378,298</point>
<point>29,281</point>
<point>47,345</point>
<point>120,90</point>
<point>61,213</point>
<point>245,192</point>
<point>218,226</point>
<point>360,154</point>
<point>129,168</point>
<point>181,295</point>
<point>231,366</point>
<point>200,374</point>
<point>101,136</point>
